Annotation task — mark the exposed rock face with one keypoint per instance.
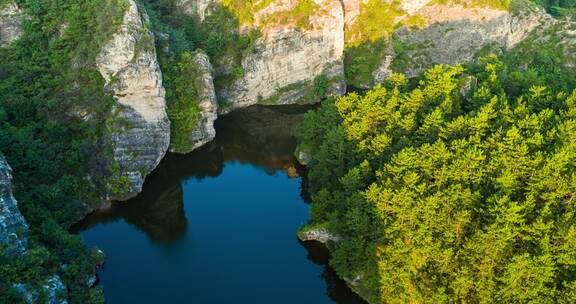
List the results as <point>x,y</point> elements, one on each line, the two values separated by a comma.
<point>195,7</point>
<point>129,65</point>
<point>11,18</point>
<point>285,63</point>
<point>12,226</point>
<point>53,289</point>
<point>204,131</point>
<point>12,223</point>
<point>287,59</point>
<point>283,68</point>
<point>412,6</point>
<point>321,235</point>
<point>303,156</point>
<point>456,34</point>
<point>558,36</point>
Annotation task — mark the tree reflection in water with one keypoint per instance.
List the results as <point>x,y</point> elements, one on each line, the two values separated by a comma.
<point>260,136</point>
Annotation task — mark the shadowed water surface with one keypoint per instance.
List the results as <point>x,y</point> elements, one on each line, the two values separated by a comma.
<point>219,225</point>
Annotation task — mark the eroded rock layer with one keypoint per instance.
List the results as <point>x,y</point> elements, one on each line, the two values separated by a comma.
<point>13,226</point>
<point>11,18</point>
<point>204,131</point>
<point>141,129</point>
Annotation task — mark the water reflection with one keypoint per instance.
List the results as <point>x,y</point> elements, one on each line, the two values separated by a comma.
<point>259,136</point>
<point>337,289</point>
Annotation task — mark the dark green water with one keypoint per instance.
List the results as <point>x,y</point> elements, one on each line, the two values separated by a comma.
<point>219,225</point>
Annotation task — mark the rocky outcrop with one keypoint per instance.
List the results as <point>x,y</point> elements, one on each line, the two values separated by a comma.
<point>283,69</point>
<point>557,37</point>
<point>141,129</point>
<point>456,34</point>
<point>303,156</point>
<point>13,226</point>
<point>11,18</point>
<point>293,60</point>
<point>195,7</point>
<point>52,290</point>
<point>290,63</point>
<point>206,98</point>
<point>321,235</point>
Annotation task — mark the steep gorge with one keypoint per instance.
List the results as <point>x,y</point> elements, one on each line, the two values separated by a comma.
<point>292,61</point>
<point>299,52</point>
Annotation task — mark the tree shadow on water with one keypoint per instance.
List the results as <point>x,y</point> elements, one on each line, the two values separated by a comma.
<point>336,289</point>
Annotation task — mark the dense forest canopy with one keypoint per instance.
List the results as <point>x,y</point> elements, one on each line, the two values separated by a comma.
<point>457,189</point>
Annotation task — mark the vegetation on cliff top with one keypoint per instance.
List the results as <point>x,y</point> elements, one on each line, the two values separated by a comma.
<point>445,195</point>
<point>298,16</point>
<point>184,110</point>
<point>175,46</point>
<point>367,39</point>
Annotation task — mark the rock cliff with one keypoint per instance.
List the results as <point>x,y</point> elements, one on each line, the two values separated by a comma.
<point>296,59</point>
<point>141,129</point>
<point>13,226</point>
<point>295,48</point>
<point>455,34</point>
<point>296,56</point>
<point>53,291</point>
<point>204,131</point>
<point>13,239</point>
<point>417,34</point>
<point>11,18</point>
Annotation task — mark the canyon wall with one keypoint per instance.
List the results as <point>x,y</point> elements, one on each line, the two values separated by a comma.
<point>13,226</point>
<point>141,129</point>
<point>288,60</point>
<point>456,34</point>
<point>303,52</point>
<point>203,83</point>
<point>11,18</point>
<point>14,240</point>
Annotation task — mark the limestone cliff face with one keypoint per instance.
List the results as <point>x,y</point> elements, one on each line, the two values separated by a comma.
<point>13,229</point>
<point>52,291</point>
<point>286,59</point>
<point>432,33</point>
<point>11,18</point>
<point>292,60</point>
<point>283,70</point>
<point>204,84</point>
<point>455,34</point>
<point>13,226</point>
<point>196,7</point>
<point>141,129</point>
<point>557,36</point>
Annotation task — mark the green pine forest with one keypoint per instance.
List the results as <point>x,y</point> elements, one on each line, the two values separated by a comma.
<point>457,187</point>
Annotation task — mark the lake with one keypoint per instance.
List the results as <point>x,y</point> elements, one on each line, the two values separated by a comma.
<point>219,225</point>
